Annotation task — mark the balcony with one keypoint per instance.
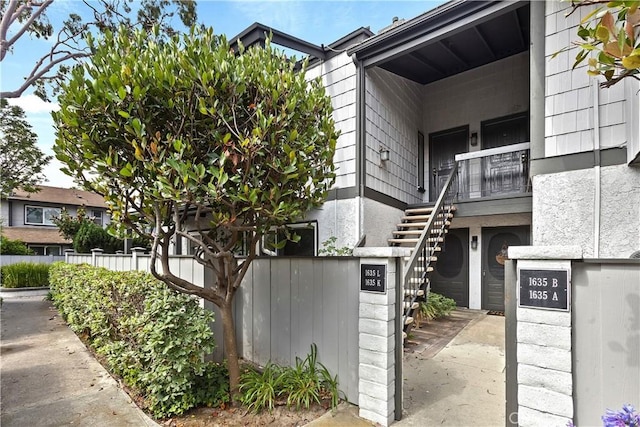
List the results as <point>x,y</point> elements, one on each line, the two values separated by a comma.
<point>494,172</point>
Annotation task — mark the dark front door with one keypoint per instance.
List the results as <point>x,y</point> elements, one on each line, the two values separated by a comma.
<point>450,276</point>
<point>504,173</point>
<point>495,242</point>
<point>443,146</point>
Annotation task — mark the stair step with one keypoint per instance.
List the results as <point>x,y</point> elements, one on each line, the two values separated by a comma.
<point>426,210</point>
<point>404,335</point>
<point>420,224</point>
<point>413,218</point>
<point>416,240</point>
<point>418,211</point>
<point>407,232</point>
<point>416,232</point>
<point>404,241</point>
<point>408,305</point>
<point>408,320</point>
<point>413,293</point>
<point>421,269</point>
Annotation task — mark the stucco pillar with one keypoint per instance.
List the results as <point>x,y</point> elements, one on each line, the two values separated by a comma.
<point>380,334</point>
<point>543,334</point>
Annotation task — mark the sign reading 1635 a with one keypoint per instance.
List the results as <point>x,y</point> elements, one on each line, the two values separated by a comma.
<point>548,289</point>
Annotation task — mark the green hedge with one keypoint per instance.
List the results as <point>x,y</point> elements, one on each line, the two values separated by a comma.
<point>154,338</point>
<point>25,275</point>
<point>13,247</point>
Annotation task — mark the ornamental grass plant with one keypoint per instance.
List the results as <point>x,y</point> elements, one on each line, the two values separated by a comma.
<point>24,275</point>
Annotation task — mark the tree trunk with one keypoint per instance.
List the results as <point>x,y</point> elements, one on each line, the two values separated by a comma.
<point>230,348</point>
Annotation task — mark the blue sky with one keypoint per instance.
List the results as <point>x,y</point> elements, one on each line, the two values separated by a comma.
<point>318,22</point>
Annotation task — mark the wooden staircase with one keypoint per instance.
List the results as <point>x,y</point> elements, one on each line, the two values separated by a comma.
<point>409,232</point>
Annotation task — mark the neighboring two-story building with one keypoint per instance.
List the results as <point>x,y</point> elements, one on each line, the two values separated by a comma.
<point>542,154</point>
<point>28,216</point>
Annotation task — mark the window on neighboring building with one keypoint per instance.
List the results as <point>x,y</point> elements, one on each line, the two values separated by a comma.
<point>97,217</point>
<point>46,250</point>
<point>40,215</point>
<point>306,246</point>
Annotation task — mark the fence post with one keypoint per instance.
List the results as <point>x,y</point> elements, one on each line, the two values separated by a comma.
<point>94,256</point>
<point>380,362</point>
<point>134,257</point>
<point>542,349</point>
<point>67,252</point>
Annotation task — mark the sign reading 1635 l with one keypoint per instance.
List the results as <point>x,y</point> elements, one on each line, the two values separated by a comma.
<point>547,289</point>
<point>373,278</point>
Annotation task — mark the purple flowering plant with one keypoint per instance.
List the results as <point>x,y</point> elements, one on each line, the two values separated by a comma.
<point>627,417</point>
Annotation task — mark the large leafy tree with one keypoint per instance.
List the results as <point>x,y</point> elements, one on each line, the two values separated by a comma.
<point>28,18</point>
<point>21,161</point>
<point>191,139</point>
<point>610,39</point>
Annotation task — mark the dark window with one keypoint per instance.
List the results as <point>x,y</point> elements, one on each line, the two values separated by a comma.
<point>277,244</point>
<point>97,217</point>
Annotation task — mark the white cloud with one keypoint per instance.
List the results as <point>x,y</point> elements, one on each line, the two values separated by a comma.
<point>32,104</point>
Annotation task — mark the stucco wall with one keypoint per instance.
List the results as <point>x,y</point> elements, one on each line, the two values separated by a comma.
<point>379,222</point>
<point>337,218</point>
<point>564,210</point>
<point>339,78</point>
<point>394,106</point>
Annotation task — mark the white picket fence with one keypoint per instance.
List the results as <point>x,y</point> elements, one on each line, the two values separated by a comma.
<point>37,259</point>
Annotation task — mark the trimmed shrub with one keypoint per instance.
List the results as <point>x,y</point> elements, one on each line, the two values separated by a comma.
<point>91,236</point>
<point>25,275</point>
<point>13,247</point>
<point>152,337</point>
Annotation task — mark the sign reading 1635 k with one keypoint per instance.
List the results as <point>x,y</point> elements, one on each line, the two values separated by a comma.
<point>547,289</point>
<point>373,278</point>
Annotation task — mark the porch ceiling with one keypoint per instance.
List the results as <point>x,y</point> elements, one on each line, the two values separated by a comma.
<point>469,44</point>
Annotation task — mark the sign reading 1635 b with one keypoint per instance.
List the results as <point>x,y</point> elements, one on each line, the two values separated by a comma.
<point>547,289</point>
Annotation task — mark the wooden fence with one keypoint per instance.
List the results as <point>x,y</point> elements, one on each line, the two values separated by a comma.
<point>283,306</point>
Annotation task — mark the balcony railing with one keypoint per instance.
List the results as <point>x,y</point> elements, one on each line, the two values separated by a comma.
<point>494,172</point>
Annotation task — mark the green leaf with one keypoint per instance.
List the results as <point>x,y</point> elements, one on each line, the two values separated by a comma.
<point>126,171</point>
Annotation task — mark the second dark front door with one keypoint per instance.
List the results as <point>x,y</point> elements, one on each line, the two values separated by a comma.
<point>450,276</point>
<point>443,146</point>
<point>495,243</point>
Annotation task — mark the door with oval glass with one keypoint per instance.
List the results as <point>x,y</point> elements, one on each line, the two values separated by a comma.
<point>450,276</point>
<point>495,242</point>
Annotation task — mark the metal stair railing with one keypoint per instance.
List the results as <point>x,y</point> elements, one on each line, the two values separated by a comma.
<point>416,270</point>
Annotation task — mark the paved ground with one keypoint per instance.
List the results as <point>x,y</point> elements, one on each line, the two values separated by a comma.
<point>50,379</point>
<point>458,380</point>
<point>48,376</point>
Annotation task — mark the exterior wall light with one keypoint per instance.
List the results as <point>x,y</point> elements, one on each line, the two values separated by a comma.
<point>384,154</point>
<point>473,140</point>
<point>474,242</point>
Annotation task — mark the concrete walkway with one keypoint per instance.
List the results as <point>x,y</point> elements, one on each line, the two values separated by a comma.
<point>463,384</point>
<point>48,376</point>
